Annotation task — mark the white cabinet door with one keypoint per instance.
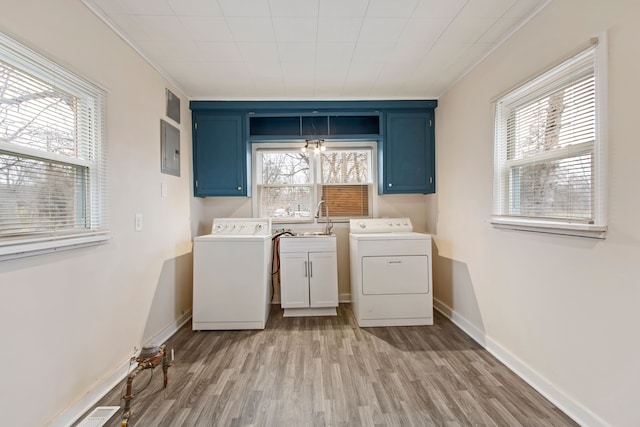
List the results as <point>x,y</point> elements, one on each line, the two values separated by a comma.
<point>323,279</point>
<point>294,280</point>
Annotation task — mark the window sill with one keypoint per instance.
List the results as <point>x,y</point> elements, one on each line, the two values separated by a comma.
<point>20,248</point>
<point>551,227</point>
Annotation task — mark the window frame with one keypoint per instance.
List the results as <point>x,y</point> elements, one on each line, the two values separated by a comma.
<point>316,175</point>
<point>95,194</point>
<point>502,166</point>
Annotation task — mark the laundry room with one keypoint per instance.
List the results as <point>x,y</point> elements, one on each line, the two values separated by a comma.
<point>319,212</point>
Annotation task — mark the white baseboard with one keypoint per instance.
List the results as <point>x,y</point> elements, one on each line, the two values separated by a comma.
<point>469,328</point>
<point>170,329</point>
<point>570,407</point>
<point>73,414</point>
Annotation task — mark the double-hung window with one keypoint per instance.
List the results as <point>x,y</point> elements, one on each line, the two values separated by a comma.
<point>549,151</point>
<point>290,183</point>
<point>52,155</point>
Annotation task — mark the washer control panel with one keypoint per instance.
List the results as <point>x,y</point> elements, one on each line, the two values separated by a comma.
<point>242,226</point>
<point>380,225</point>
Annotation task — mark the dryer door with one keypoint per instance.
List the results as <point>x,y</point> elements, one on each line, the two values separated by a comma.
<point>390,275</point>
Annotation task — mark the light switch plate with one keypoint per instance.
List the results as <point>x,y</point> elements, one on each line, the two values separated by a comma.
<point>138,222</point>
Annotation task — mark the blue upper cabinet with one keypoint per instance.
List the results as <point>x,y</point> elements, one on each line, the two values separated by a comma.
<point>408,155</point>
<point>224,130</point>
<point>219,154</point>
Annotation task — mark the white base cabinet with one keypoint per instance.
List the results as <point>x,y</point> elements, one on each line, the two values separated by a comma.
<point>308,276</point>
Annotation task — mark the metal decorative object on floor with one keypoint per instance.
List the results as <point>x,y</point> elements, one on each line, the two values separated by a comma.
<point>149,358</point>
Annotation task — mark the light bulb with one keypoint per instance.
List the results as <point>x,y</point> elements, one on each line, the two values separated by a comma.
<point>316,149</point>
<point>323,148</point>
<point>304,149</point>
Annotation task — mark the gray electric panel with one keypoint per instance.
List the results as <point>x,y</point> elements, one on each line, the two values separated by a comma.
<point>170,149</point>
<point>173,106</point>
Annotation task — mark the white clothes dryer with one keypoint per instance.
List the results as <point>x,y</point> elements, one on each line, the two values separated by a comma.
<point>232,275</point>
<point>390,273</point>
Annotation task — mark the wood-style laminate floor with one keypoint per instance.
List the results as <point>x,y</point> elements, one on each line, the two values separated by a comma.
<point>325,371</point>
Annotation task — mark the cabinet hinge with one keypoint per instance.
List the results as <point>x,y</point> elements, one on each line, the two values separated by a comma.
<point>430,180</point>
<point>430,123</point>
<point>196,183</point>
<point>195,125</point>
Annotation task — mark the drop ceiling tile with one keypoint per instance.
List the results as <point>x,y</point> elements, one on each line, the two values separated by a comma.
<point>195,7</point>
<point>406,53</point>
<point>363,74</point>
<point>438,8</point>
<point>414,47</point>
<point>207,28</point>
<point>523,8</point>
<point>331,73</point>
<point>231,72</point>
<point>251,29</point>
<point>297,52</point>
<point>423,30</point>
<point>499,30</point>
<point>345,8</point>
<point>381,29</point>
<point>486,8</point>
<point>395,8</point>
<point>295,29</point>
<point>442,55</point>
<point>267,74</point>
<point>294,7</point>
<point>219,52</point>
<point>466,30</point>
<point>257,52</point>
<point>338,29</point>
<point>162,51</point>
<point>371,53</point>
<point>334,53</point>
<point>244,7</point>
<point>161,28</point>
<point>298,74</point>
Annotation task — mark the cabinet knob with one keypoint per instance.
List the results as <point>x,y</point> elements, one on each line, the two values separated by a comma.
<point>239,188</point>
<point>390,184</point>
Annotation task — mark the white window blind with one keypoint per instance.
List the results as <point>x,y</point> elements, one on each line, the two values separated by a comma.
<point>547,169</point>
<point>53,182</point>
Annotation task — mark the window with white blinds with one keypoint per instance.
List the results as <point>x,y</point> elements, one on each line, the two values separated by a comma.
<point>53,183</point>
<point>548,168</point>
<point>290,183</point>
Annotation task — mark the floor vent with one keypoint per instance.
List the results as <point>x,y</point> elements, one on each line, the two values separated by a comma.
<point>99,416</point>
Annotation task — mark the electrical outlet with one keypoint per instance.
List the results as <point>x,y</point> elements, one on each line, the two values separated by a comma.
<point>138,222</point>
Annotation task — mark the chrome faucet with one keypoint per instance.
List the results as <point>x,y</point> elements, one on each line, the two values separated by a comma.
<point>329,224</point>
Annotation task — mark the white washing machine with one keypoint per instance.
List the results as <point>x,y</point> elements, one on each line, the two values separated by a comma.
<point>390,273</point>
<point>232,275</point>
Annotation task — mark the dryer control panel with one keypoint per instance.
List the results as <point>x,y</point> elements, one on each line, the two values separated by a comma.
<point>380,225</point>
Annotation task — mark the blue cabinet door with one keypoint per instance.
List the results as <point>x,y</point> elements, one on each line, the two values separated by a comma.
<point>409,154</point>
<point>219,154</point>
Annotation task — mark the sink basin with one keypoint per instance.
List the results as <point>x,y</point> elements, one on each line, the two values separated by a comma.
<point>312,234</point>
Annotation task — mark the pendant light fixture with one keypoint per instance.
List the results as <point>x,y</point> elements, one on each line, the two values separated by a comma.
<point>316,144</point>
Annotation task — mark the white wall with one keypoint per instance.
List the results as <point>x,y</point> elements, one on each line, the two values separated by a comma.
<point>71,319</point>
<point>562,310</point>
